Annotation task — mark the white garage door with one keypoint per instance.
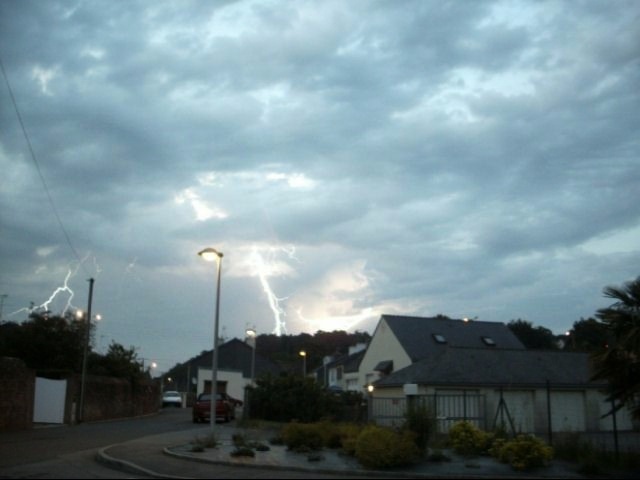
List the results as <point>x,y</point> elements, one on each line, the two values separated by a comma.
<point>568,412</point>
<point>520,407</point>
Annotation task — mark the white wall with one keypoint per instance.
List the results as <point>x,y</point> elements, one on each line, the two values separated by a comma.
<point>234,379</point>
<point>383,346</point>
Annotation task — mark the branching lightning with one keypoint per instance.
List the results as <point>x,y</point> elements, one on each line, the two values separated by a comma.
<point>65,288</point>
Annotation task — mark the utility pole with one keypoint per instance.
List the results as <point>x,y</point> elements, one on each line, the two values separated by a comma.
<point>86,348</point>
<point>2,297</point>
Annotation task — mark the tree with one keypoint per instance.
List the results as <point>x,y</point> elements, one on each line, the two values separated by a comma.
<point>539,338</point>
<point>118,362</point>
<point>45,342</point>
<point>587,335</point>
<point>619,361</point>
<point>55,344</point>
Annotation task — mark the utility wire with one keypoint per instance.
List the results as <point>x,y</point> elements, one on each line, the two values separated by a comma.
<point>35,161</point>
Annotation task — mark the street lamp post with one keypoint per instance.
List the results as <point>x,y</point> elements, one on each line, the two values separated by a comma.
<point>210,254</point>
<point>303,354</point>
<point>251,335</point>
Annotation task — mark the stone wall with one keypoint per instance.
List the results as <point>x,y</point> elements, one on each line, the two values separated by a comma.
<point>109,398</point>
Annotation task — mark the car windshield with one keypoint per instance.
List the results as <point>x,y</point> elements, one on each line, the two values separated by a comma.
<point>206,397</point>
<point>171,394</point>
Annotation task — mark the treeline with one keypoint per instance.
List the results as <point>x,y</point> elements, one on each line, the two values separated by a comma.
<point>285,349</point>
<point>586,335</point>
<point>53,345</point>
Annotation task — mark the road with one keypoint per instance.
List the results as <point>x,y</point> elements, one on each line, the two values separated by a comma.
<point>70,451</point>
<point>63,451</point>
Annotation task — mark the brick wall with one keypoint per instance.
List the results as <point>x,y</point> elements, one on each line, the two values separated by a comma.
<point>105,397</point>
<point>17,387</point>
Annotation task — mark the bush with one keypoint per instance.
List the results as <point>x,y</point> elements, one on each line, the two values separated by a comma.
<point>302,436</point>
<point>379,447</point>
<point>281,398</point>
<point>349,433</point>
<point>208,441</point>
<point>467,439</point>
<point>525,452</point>
<point>420,420</point>
<point>330,433</point>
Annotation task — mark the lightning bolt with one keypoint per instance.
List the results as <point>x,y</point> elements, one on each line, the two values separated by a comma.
<point>65,288</point>
<point>262,271</point>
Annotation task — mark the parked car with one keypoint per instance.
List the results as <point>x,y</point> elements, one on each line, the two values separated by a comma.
<point>225,407</point>
<point>171,398</point>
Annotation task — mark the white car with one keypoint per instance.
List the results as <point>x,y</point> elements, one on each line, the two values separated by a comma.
<point>171,399</point>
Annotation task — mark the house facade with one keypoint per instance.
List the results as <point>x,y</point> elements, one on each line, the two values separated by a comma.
<point>341,372</point>
<point>480,372</point>
<point>400,341</point>
<point>236,359</point>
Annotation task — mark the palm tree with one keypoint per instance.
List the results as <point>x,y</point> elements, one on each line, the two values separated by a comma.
<point>619,361</point>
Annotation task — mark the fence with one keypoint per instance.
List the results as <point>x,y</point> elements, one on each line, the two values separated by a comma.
<point>447,409</point>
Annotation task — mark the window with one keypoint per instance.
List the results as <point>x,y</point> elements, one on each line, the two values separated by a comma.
<point>489,341</point>
<point>439,338</point>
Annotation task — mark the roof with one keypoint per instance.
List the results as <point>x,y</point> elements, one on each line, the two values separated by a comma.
<point>385,366</point>
<point>350,363</point>
<point>417,333</point>
<point>495,367</point>
<point>236,355</point>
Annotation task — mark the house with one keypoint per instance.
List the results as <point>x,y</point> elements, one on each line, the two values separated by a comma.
<point>480,372</point>
<point>340,372</point>
<point>399,341</point>
<point>235,359</point>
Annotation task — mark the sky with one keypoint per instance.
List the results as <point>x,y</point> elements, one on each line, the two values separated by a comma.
<point>475,159</point>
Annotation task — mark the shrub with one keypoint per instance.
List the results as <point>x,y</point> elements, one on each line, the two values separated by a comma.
<point>380,447</point>
<point>238,440</point>
<point>525,452</point>
<point>330,433</point>
<point>297,436</point>
<point>208,441</point>
<point>348,436</point>
<point>420,420</point>
<point>467,439</point>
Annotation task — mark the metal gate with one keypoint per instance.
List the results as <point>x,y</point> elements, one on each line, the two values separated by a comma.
<point>447,409</point>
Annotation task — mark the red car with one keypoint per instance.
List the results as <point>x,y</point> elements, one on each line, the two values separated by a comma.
<point>225,408</point>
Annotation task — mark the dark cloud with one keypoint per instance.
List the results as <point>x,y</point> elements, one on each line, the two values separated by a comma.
<point>474,158</point>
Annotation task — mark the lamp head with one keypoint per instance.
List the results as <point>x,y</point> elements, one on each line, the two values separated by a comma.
<point>210,254</point>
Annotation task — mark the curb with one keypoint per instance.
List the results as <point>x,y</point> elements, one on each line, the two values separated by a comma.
<point>104,458</point>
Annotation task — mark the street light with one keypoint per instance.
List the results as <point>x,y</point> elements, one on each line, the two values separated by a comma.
<point>211,254</point>
<point>251,337</point>
<point>303,354</point>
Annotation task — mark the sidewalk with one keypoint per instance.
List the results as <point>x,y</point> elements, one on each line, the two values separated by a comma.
<point>170,455</point>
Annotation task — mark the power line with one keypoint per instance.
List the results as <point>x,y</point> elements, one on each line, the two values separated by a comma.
<point>35,161</point>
